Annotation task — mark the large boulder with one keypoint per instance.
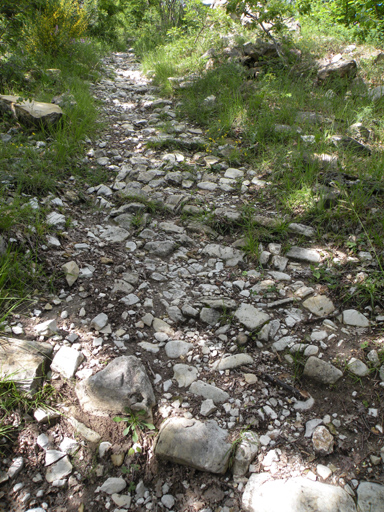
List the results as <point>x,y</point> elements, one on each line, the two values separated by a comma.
<point>31,111</point>
<point>24,362</point>
<point>340,69</point>
<point>123,384</point>
<point>294,495</point>
<point>203,446</point>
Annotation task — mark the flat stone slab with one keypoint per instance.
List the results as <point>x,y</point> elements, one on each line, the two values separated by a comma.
<point>184,374</point>
<point>321,371</point>
<point>205,390</point>
<point>24,362</point>
<point>319,305</point>
<point>230,256</point>
<point>177,348</point>
<point>123,383</point>
<point>251,317</point>
<point>262,494</point>
<point>31,111</point>
<point>355,318</point>
<point>59,470</point>
<point>370,497</point>
<point>66,361</point>
<point>201,445</point>
<point>226,363</point>
<point>301,254</point>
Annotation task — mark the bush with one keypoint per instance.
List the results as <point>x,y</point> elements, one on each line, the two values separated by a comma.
<point>56,27</point>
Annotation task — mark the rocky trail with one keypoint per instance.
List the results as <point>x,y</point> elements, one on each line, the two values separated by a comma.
<point>256,379</point>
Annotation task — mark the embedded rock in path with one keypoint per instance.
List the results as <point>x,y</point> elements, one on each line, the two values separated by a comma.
<point>66,361</point>
<point>319,305</point>
<point>115,234</point>
<point>357,367</point>
<point>301,229</point>
<point>177,348</point>
<point>24,362</point>
<point>226,363</point>
<point>161,249</point>
<point>321,371</point>
<point>307,255</point>
<point>210,316</point>
<point>370,497</point>
<point>184,374</point>
<point>232,257</point>
<point>251,317</point>
<point>59,470</point>
<point>71,271</point>
<point>245,453</point>
<point>203,446</point>
<point>353,317</point>
<point>113,485</point>
<point>208,391</point>
<point>262,494</point>
<point>322,440</point>
<point>123,383</point>
<point>31,111</point>
<point>340,69</point>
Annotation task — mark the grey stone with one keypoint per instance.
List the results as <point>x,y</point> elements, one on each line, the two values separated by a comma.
<point>123,383</point>
<point>226,363</point>
<point>161,249</point>
<point>168,500</point>
<point>31,111</point>
<point>370,497</point>
<point>321,371</point>
<point>207,407</point>
<point>24,362</point>
<point>301,229</point>
<point>340,69</point>
<point>262,494</point>
<point>52,456</point>
<point>45,415</point>
<point>210,316</point>
<point>251,317</point>
<point>122,500</point>
<point>122,286</point>
<point>319,305</point>
<point>47,328</point>
<point>184,374</point>
<point>246,451</point>
<point>376,93</point>
<point>357,367</point>
<point>56,219</point>
<point>311,425</point>
<point>232,257</point>
<point>175,314</point>
<point>71,271</point>
<point>84,431</point>
<point>161,326</point>
<point>66,361</point>
<point>353,317</point>
<point>69,446</point>
<point>205,390</point>
<point>301,254</point>
<point>59,470</point>
<point>113,485</point>
<point>114,234</point>
<point>322,440</point>
<point>99,322</point>
<point>177,348</point>
<point>16,467</point>
<point>203,446</point>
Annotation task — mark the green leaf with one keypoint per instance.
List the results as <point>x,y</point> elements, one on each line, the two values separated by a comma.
<point>126,431</point>
<point>135,437</point>
<point>117,419</point>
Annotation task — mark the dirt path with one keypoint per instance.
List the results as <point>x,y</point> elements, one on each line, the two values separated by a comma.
<point>162,246</point>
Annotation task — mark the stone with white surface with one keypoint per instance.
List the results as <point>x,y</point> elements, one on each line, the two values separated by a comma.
<point>251,317</point>
<point>354,318</point>
<point>66,361</point>
<point>205,390</point>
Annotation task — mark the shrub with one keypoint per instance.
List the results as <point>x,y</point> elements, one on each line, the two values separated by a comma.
<point>56,27</point>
